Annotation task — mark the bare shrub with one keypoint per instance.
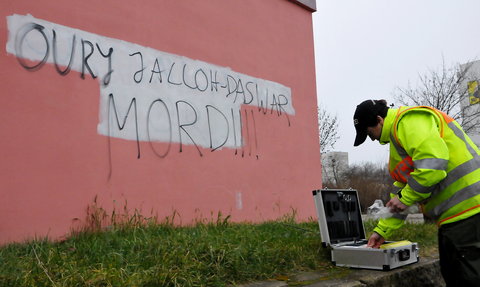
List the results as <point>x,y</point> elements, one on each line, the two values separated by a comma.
<point>372,181</point>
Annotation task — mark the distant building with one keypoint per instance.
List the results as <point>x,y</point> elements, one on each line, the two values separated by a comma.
<point>334,167</point>
<point>471,103</point>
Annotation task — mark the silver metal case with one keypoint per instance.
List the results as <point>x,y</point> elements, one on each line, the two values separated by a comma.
<point>341,229</point>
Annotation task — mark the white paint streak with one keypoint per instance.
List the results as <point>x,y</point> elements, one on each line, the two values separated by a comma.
<point>207,113</point>
<point>238,200</point>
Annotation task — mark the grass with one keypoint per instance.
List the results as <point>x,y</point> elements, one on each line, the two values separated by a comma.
<point>140,252</point>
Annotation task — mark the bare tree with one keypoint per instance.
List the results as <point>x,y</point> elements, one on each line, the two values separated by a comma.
<point>372,182</point>
<point>444,90</point>
<point>333,171</point>
<point>328,130</point>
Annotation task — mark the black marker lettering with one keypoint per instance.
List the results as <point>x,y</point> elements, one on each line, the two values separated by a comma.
<point>181,126</point>
<point>54,45</point>
<point>156,70</point>
<point>210,127</point>
<point>20,37</point>
<point>108,75</point>
<point>85,59</point>
<point>139,73</point>
<point>169,125</point>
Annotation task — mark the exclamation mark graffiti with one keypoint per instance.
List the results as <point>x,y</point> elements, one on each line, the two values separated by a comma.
<point>248,134</point>
<point>242,137</point>
<point>234,132</point>
<point>255,134</point>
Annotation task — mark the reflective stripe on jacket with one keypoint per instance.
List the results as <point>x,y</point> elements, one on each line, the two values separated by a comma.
<point>434,162</point>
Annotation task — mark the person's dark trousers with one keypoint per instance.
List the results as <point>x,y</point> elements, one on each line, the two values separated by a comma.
<point>459,248</point>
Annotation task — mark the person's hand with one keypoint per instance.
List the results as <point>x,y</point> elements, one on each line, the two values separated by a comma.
<point>395,205</point>
<point>375,240</point>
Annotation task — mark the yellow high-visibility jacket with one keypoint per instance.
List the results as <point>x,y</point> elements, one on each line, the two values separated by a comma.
<point>434,163</point>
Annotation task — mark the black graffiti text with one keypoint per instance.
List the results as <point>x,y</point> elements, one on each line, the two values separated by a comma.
<point>88,49</point>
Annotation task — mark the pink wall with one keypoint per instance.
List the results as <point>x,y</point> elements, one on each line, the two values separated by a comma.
<point>54,162</point>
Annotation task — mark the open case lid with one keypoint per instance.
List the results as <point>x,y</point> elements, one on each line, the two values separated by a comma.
<point>339,215</point>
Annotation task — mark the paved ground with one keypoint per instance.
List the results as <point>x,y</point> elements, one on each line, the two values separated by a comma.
<point>424,273</point>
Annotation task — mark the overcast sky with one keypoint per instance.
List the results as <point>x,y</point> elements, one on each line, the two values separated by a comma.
<point>364,49</point>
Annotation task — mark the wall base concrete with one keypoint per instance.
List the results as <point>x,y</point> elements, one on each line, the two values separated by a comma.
<point>424,273</point>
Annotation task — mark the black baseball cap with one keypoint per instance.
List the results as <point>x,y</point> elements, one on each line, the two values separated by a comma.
<point>366,116</point>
